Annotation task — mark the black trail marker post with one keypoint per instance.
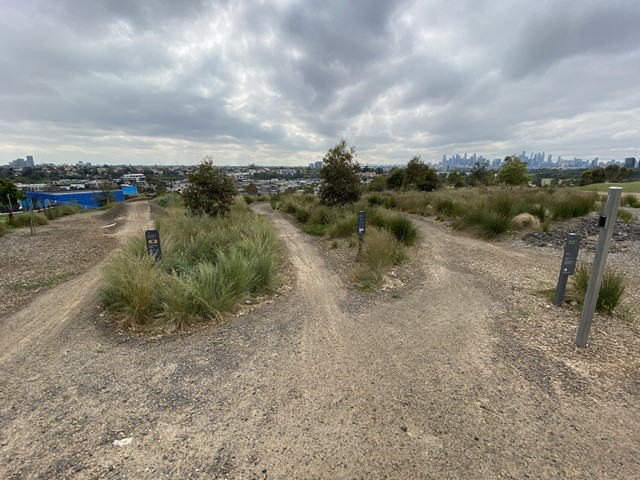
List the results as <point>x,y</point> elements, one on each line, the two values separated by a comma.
<point>362,221</point>
<point>606,224</point>
<point>571,248</point>
<point>152,238</point>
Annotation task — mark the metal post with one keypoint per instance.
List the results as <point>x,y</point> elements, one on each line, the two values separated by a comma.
<point>607,222</point>
<point>10,206</point>
<point>32,220</point>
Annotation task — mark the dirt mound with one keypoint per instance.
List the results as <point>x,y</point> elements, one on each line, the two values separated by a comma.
<point>118,211</point>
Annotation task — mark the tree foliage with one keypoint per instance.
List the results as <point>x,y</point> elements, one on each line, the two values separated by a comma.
<point>395,179</point>
<point>513,172</point>
<point>456,180</point>
<point>7,187</point>
<point>210,191</point>
<point>480,174</point>
<point>420,176</point>
<point>341,184</point>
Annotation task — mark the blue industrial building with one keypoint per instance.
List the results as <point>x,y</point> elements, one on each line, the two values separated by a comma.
<point>86,199</point>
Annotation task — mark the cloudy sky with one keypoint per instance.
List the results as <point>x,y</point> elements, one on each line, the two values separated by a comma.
<point>281,81</point>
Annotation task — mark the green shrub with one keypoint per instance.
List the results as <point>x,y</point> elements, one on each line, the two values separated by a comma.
<point>21,220</point>
<point>625,215</point>
<point>343,227</point>
<point>248,199</point>
<point>315,229</point>
<point>169,199</point>
<point>631,200</point>
<point>489,224</point>
<point>612,288</point>
<point>380,251</point>
<point>572,205</point>
<point>399,225</point>
<point>208,265</point>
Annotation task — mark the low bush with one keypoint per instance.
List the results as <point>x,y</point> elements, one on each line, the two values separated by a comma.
<point>399,225</point>
<point>380,252</point>
<point>21,220</point>
<point>208,265</point>
<point>631,200</point>
<point>169,199</point>
<point>573,204</point>
<point>62,211</point>
<point>612,288</point>
<point>625,215</point>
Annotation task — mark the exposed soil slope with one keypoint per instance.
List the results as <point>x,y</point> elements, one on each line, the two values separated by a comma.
<point>444,378</point>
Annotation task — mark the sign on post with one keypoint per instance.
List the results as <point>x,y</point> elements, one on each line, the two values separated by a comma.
<point>152,238</point>
<point>568,267</point>
<point>361,223</point>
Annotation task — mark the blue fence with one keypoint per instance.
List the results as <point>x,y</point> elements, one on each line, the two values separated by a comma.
<point>87,200</point>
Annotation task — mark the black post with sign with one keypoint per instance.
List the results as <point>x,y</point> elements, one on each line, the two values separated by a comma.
<point>152,238</point>
<point>569,259</point>
<point>362,224</point>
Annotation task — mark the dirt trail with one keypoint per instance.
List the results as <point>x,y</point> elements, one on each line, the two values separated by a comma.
<point>322,383</point>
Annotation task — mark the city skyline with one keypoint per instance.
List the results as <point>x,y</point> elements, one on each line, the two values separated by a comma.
<point>280,83</point>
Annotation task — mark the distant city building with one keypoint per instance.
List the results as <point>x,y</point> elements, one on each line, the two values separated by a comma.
<point>29,162</point>
<point>630,162</point>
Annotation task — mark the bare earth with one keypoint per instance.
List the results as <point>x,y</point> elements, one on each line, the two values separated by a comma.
<point>460,369</point>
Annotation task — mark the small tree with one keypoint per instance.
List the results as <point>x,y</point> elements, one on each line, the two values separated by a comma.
<point>420,176</point>
<point>252,189</point>
<point>456,180</point>
<point>480,174</point>
<point>395,179</point>
<point>340,184</point>
<point>513,172</point>
<point>9,190</point>
<point>210,191</point>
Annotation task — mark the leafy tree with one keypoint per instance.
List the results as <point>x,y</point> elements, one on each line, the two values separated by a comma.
<point>395,179</point>
<point>340,184</point>
<point>7,187</point>
<point>210,191</point>
<point>105,196</point>
<point>252,189</point>
<point>378,184</point>
<point>456,180</point>
<point>480,174</point>
<point>513,172</point>
<point>420,176</point>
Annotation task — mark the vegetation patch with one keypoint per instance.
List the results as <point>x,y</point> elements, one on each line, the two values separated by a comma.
<point>612,288</point>
<point>209,265</point>
<point>34,285</point>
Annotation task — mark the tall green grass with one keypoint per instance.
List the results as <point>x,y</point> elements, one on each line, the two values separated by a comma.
<point>612,288</point>
<point>22,220</point>
<point>380,252</point>
<point>62,211</point>
<point>169,199</point>
<point>208,266</point>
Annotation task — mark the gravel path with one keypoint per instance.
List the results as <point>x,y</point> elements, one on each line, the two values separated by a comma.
<point>463,372</point>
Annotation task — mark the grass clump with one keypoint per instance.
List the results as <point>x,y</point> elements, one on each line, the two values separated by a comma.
<point>22,220</point>
<point>380,252</point>
<point>631,200</point>
<point>625,215</point>
<point>169,199</point>
<point>573,204</point>
<point>62,211</point>
<point>208,266</point>
<point>612,288</point>
<point>399,225</point>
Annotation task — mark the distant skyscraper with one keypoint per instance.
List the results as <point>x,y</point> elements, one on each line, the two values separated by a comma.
<point>630,162</point>
<point>29,162</point>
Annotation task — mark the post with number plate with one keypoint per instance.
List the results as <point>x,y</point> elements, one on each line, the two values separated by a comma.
<point>568,267</point>
<point>362,221</point>
<point>606,224</point>
<point>152,238</point>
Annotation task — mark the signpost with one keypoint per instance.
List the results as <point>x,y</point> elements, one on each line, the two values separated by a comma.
<point>606,223</point>
<point>569,259</point>
<point>362,223</point>
<point>152,238</point>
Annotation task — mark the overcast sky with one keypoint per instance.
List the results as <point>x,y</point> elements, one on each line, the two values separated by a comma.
<point>280,82</point>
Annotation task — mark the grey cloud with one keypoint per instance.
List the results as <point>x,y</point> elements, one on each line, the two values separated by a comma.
<point>590,29</point>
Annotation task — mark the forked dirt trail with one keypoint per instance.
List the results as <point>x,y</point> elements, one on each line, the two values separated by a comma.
<point>324,382</point>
